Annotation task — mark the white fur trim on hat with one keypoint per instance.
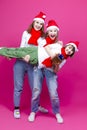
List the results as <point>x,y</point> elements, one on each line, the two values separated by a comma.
<point>44,16</point>
<point>39,19</point>
<point>52,27</point>
<point>76,49</point>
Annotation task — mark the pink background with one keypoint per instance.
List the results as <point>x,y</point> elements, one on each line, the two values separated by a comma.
<point>71,15</point>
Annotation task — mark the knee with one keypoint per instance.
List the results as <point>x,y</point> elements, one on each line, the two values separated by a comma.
<point>35,93</point>
<point>54,96</point>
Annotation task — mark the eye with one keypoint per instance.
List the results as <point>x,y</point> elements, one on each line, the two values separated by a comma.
<point>50,30</point>
<point>41,24</point>
<point>55,30</point>
<point>37,22</point>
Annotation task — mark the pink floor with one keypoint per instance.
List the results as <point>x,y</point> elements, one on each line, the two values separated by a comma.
<point>73,104</point>
<point>75,118</point>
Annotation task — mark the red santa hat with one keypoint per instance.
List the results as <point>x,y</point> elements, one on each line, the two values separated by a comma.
<point>41,17</point>
<point>74,43</point>
<point>52,24</point>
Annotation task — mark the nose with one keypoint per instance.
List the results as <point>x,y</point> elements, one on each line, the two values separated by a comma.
<point>69,52</point>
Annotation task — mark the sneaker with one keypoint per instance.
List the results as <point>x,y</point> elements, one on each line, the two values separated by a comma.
<point>59,118</point>
<point>31,117</point>
<point>17,113</point>
<point>42,109</point>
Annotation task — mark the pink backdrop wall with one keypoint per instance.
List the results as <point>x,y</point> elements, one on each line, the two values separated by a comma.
<point>71,15</point>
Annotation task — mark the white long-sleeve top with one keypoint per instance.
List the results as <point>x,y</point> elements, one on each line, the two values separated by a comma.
<point>25,38</point>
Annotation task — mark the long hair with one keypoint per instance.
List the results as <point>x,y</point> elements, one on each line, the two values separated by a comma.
<point>32,26</point>
<point>56,60</point>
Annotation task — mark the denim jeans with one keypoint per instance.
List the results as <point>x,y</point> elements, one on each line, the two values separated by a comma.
<point>51,80</point>
<point>20,69</point>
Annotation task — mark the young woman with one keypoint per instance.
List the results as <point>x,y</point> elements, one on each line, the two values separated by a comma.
<point>30,37</point>
<point>52,33</point>
<point>52,84</point>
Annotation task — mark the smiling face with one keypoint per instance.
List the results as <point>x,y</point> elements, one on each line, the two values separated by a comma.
<point>53,33</point>
<point>38,25</point>
<point>69,50</point>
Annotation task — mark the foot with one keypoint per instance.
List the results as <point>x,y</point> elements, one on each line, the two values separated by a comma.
<point>31,117</point>
<point>1,47</point>
<point>17,113</point>
<point>42,109</point>
<point>59,118</point>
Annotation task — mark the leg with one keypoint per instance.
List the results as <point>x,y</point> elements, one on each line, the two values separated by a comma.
<point>13,52</point>
<point>36,90</point>
<point>19,72</point>
<point>30,75</point>
<point>30,53</point>
<point>51,79</point>
<point>37,87</point>
<point>31,70</point>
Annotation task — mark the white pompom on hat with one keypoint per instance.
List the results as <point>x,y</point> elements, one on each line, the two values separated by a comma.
<point>52,24</point>
<point>74,43</point>
<point>41,17</point>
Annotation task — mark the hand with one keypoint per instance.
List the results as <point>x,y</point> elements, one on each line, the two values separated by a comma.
<point>60,42</point>
<point>8,58</point>
<point>26,58</point>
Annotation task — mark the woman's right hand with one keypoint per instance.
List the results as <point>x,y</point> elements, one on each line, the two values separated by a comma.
<point>26,58</point>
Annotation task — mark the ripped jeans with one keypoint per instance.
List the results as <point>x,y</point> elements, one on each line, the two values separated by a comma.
<point>52,84</point>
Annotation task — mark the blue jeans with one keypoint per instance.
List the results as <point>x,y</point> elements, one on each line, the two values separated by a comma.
<point>51,80</point>
<point>20,69</point>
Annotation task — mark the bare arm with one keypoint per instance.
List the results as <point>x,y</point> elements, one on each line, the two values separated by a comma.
<point>60,42</point>
<point>48,50</point>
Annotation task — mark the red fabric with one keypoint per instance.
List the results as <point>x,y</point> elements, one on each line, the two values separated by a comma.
<point>49,41</point>
<point>47,62</point>
<point>63,53</point>
<point>34,37</point>
<point>52,23</point>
